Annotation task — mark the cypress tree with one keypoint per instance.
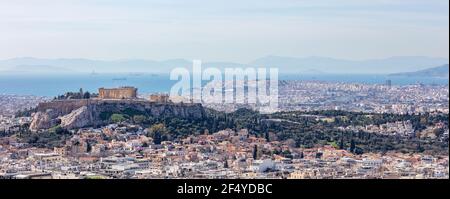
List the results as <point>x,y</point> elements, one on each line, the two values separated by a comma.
<point>352,146</point>
<point>255,152</point>
<point>341,145</point>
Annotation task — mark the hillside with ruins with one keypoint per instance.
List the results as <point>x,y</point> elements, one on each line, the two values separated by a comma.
<point>80,113</point>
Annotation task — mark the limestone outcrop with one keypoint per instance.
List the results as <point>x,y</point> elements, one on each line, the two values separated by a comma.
<point>43,120</point>
<point>77,119</point>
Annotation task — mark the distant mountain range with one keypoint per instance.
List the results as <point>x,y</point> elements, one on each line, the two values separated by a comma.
<point>340,66</point>
<point>440,71</point>
<point>286,65</point>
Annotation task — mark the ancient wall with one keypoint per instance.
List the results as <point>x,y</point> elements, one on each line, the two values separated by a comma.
<point>118,93</point>
<point>62,107</point>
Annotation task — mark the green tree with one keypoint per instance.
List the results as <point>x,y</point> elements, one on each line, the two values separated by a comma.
<point>87,95</point>
<point>157,137</point>
<point>225,164</point>
<point>359,151</point>
<point>352,146</point>
<point>158,132</point>
<point>145,145</point>
<point>118,118</point>
<point>81,93</point>
<point>139,119</point>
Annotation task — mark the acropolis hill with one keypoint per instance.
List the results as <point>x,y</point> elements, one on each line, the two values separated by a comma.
<point>79,113</point>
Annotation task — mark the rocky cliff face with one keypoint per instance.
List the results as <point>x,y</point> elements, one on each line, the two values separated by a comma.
<point>41,120</point>
<point>77,119</point>
<point>44,120</point>
<point>72,114</point>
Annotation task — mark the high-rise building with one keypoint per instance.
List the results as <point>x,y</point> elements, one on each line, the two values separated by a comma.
<point>389,83</point>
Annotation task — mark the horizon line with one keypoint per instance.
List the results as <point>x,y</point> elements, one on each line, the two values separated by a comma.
<point>255,59</point>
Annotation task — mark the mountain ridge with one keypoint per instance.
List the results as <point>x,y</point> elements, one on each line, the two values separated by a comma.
<point>291,65</point>
<point>440,71</point>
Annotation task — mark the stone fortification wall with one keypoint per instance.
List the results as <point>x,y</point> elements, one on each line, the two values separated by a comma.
<point>62,107</point>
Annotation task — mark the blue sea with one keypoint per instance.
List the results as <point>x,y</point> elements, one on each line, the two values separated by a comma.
<point>53,85</point>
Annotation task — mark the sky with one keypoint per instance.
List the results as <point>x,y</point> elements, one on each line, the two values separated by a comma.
<point>223,30</point>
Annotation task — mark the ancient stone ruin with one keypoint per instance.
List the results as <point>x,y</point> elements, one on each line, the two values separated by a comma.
<point>79,113</point>
<point>118,93</point>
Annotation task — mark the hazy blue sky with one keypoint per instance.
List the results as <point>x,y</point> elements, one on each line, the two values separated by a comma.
<point>223,30</point>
